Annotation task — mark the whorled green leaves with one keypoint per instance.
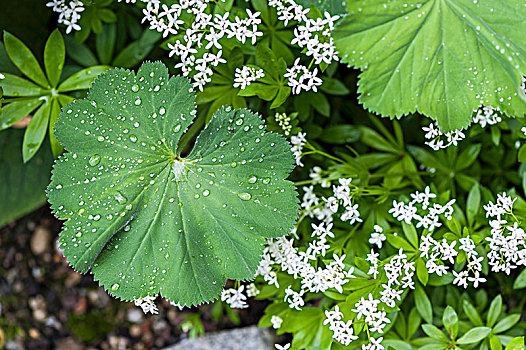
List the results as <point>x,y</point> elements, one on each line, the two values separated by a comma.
<point>45,93</point>
<point>442,58</point>
<point>143,219</point>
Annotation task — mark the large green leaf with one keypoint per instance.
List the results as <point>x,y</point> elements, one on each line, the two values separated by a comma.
<point>145,220</point>
<point>441,58</point>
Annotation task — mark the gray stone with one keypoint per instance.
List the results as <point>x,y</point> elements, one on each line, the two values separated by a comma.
<point>40,240</point>
<point>252,338</point>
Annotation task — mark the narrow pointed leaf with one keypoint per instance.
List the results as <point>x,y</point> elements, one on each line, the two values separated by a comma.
<point>36,131</point>
<point>19,87</point>
<point>146,221</point>
<point>54,57</point>
<point>24,59</point>
<point>82,79</point>
<point>474,335</point>
<point>14,111</point>
<point>56,147</point>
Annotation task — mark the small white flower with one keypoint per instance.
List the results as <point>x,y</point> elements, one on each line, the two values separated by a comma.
<point>276,321</point>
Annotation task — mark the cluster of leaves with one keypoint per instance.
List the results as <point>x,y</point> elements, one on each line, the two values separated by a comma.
<point>45,93</point>
<point>386,165</point>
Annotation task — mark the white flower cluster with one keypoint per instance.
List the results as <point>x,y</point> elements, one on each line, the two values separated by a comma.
<point>68,12</point>
<point>245,76</point>
<point>432,211</point>
<point>147,304</point>
<point>325,208</point>
<point>236,298</point>
<point>301,78</point>
<point>316,175</point>
<point>436,142</point>
<point>204,31</point>
<point>397,267</point>
<point>474,265</point>
<point>375,319</point>
<point>508,240</point>
<point>281,251</point>
<point>377,237</point>
<point>439,252</point>
<point>294,299</point>
<point>298,141</point>
<point>436,252</point>
<point>343,332</point>
<point>313,35</point>
<point>487,115</point>
<point>372,258</point>
<point>283,121</point>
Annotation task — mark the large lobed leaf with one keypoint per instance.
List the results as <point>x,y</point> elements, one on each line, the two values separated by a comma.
<point>442,58</point>
<point>143,219</point>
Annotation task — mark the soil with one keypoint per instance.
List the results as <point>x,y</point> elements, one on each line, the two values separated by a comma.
<point>45,304</point>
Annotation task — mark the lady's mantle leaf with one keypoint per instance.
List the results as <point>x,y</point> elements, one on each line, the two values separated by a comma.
<point>145,220</point>
<point>442,58</point>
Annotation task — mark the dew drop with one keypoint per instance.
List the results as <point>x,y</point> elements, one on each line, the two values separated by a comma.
<point>239,121</point>
<point>119,197</point>
<point>135,88</point>
<point>233,164</point>
<point>100,138</point>
<point>244,196</point>
<point>206,193</point>
<point>177,128</point>
<point>115,287</point>
<point>94,160</point>
<point>266,180</point>
<point>133,138</point>
<point>138,102</point>
<point>162,111</point>
<point>252,180</point>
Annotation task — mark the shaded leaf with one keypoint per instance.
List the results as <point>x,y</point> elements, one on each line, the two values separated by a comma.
<point>414,59</point>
